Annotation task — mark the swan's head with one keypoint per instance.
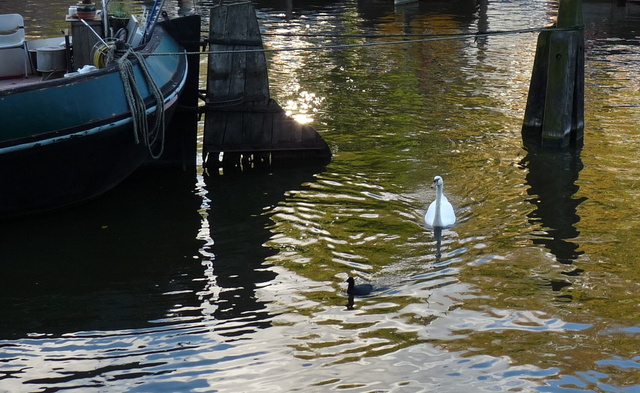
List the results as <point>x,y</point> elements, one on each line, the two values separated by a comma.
<point>437,182</point>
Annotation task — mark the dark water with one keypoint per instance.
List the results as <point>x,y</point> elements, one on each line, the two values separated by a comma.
<point>234,283</point>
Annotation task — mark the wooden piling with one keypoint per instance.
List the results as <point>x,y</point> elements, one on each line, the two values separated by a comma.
<point>181,135</point>
<point>241,120</point>
<point>555,105</point>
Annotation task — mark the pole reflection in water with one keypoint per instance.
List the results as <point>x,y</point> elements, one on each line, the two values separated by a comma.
<point>239,227</point>
<point>552,180</point>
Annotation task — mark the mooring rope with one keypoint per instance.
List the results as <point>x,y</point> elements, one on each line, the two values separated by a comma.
<point>426,38</point>
<point>433,36</point>
<point>136,104</point>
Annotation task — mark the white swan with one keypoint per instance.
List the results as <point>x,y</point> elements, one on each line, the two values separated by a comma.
<point>440,212</point>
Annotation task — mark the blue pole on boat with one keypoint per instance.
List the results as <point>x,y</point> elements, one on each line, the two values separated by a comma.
<point>153,19</point>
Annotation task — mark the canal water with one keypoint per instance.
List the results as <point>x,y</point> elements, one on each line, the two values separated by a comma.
<point>234,282</point>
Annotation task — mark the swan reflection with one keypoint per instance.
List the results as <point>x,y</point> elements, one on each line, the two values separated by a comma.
<point>437,235</point>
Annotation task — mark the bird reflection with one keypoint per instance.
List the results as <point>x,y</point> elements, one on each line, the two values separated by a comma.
<point>350,302</point>
<point>437,234</point>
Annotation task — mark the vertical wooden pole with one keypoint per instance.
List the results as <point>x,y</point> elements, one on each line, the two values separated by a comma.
<point>555,105</point>
<point>560,89</point>
<point>534,112</point>
<point>181,136</point>
<point>236,75</point>
<point>577,121</point>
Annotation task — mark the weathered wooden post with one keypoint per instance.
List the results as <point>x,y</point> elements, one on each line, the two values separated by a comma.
<point>555,105</point>
<point>182,133</point>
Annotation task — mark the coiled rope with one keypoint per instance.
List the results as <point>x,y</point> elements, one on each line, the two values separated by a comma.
<point>103,53</point>
<point>141,130</point>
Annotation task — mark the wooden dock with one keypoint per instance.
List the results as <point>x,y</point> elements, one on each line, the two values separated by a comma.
<point>242,121</point>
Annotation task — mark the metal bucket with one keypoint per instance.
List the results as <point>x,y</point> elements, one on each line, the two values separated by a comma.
<point>51,59</point>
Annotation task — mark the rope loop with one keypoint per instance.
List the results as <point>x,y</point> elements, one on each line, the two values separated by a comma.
<point>104,53</point>
<point>141,130</point>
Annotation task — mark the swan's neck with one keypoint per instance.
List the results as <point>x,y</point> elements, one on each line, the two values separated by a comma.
<point>437,220</point>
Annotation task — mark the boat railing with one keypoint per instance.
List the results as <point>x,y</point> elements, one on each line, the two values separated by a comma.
<point>91,37</point>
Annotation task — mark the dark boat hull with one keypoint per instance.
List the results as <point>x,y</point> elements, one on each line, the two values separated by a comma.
<point>56,176</point>
<point>53,161</point>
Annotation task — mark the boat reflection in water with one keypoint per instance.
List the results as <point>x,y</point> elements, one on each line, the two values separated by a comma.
<point>117,262</point>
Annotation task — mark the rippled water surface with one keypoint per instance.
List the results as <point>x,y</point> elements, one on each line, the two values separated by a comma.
<point>235,282</point>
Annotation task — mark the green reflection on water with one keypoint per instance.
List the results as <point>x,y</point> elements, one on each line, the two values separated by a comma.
<point>395,117</point>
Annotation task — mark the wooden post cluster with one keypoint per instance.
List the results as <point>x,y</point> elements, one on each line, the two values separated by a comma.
<point>236,76</point>
<point>241,120</point>
<point>555,106</point>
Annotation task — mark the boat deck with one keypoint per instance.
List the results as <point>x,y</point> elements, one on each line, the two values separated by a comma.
<point>8,83</point>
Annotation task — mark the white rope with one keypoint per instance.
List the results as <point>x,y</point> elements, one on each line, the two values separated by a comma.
<point>141,130</point>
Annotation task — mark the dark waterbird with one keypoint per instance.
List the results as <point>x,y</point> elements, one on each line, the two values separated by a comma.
<point>358,290</point>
